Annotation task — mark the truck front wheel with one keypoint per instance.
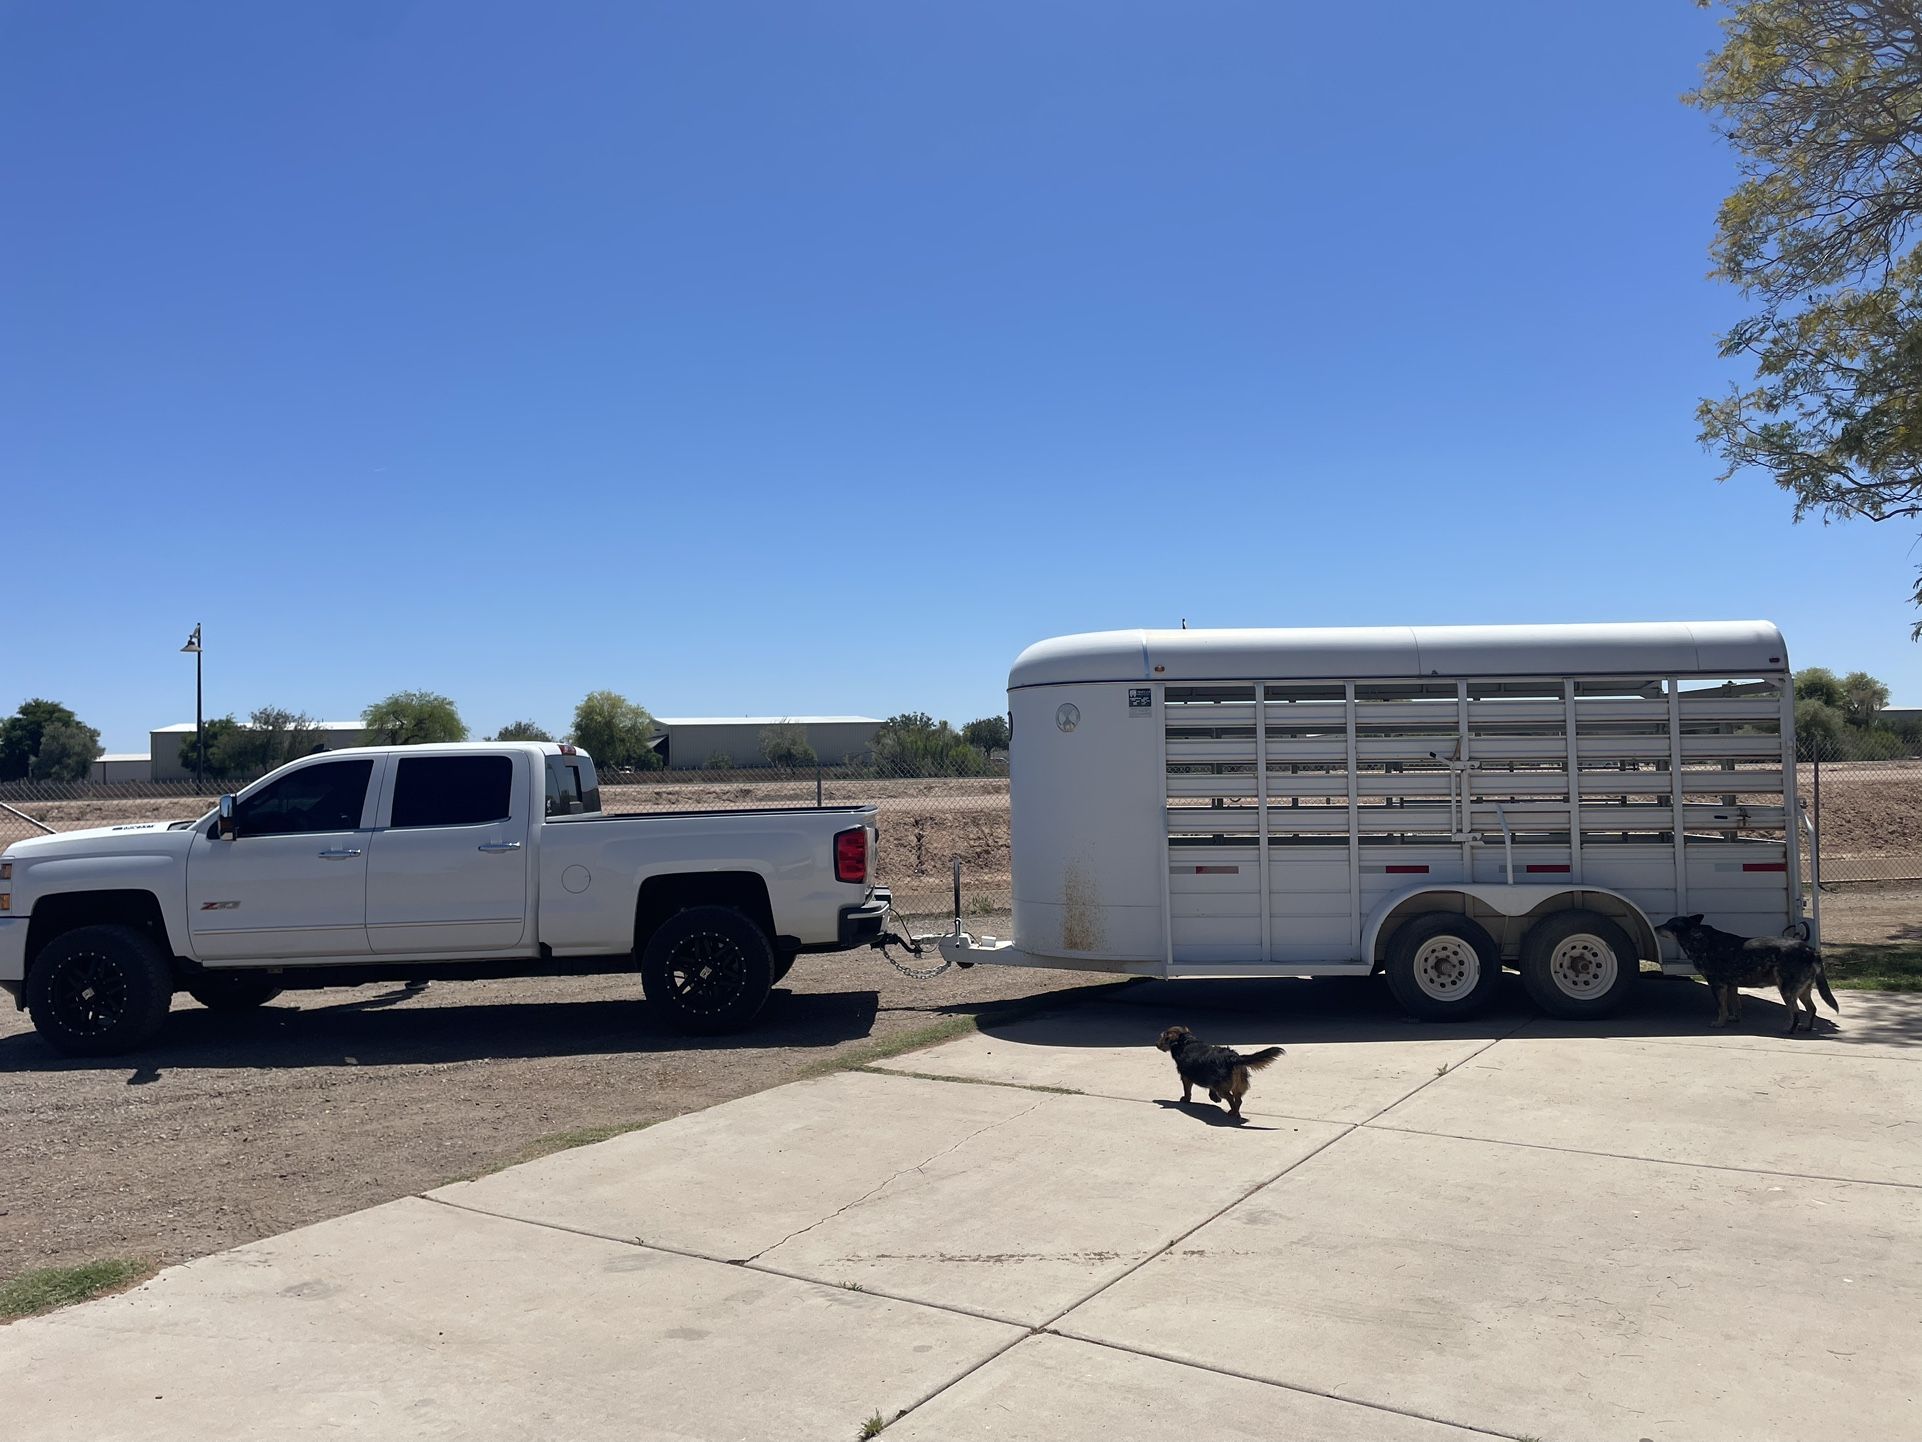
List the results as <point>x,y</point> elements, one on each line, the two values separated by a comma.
<point>98,990</point>
<point>709,968</point>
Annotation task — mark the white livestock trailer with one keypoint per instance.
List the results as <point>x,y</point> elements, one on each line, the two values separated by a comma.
<point>1434,802</point>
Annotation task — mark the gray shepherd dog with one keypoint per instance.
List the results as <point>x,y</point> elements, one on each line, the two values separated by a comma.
<point>1727,961</point>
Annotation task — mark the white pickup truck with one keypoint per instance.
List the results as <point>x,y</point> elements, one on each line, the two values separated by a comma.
<point>413,863</point>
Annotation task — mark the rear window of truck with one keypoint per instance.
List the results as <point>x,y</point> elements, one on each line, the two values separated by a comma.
<point>573,788</point>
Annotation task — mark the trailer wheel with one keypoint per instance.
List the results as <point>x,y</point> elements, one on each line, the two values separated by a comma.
<point>709,968</point>
<point>1579,964</point>
<point>1443,966</point>
<point>98,990</point>
<point>222,991</point>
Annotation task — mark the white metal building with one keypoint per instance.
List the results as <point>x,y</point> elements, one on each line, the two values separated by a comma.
<point>120,766</point>
<point>690,743</point>
<point>166,740</point>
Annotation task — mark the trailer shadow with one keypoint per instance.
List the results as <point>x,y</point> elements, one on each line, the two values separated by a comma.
<point>390,1027</point>
<point>1289,1010</point>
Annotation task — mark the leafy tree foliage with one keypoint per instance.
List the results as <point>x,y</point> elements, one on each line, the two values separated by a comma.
<point>522,731</point>
<point>23,739</point>
<point>615,731</point>
<point>915,744</point>
<point>989,733</point>
<point>785,743</point>
<point>413,718</point>
<point>1822,100</point>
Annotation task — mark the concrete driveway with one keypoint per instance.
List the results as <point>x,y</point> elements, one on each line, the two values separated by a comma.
<point>1647,1229</point>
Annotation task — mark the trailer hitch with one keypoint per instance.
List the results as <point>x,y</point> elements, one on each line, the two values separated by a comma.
<point>915,945</point>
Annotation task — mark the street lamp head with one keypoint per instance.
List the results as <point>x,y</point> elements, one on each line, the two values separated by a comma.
<point>193,642</point>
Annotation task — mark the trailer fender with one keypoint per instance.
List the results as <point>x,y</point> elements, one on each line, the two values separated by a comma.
<point>1510,901</point>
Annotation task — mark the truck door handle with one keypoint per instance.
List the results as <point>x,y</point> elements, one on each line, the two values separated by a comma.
<point>342,854</point>
<point>500,846</point>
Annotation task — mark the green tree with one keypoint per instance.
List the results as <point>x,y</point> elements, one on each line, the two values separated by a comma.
<point>219,733</point>
<point>67,751</point>
<point>271,737</point>
<point>615,731</point>
<point>413,718</point>
<point>915,744</point>
<point>1818,683</point>
<point>1863,698</point>
<point>988,733</point>
<point>785,743</point>
<point>1819,730</point>
<point>1822,100</point>
<point>21,734</point>
<point>522,731</point>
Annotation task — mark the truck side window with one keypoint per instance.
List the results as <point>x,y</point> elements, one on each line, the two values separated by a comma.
<point>327,797</point>
<point>452,790</point>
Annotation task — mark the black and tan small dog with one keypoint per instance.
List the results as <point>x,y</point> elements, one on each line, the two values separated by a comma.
<point>1221,1069</point>
<point>1728,962</point>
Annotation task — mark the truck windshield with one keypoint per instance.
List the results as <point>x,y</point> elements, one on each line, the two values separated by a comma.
<point>572,787</point>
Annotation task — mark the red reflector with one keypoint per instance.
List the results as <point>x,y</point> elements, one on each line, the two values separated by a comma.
<point>851,855</point>
<point>1548,866</point>
<point>1765,866</point>
<point>1406,870</point>
<point>1217,871</point>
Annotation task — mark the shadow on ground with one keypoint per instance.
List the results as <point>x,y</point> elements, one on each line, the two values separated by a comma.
<point>1289,1010</point>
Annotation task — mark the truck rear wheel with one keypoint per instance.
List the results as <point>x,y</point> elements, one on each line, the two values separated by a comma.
<point>709,969</point>
<point>1579,964</point>
<point>225,991</point>
<point>98,990</point>
<point>1443,966</point>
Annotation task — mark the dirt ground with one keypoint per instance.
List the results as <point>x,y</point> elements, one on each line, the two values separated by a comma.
<point>234,1128</point>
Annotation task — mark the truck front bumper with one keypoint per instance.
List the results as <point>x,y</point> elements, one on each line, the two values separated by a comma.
<point>13,956</point>
<point>862,924</point>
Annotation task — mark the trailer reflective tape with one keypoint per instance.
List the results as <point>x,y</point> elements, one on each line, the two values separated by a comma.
<point>1765,866</point>
<point>1537,866</point>
<point>1401,870</point>
<point>1217,871</point>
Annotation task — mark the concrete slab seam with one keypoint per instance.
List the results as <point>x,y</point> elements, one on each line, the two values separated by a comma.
<point>1189,1362</point>
<point>1653,1161</point>
<point>1450,1070</point>
<point>890,1181</point>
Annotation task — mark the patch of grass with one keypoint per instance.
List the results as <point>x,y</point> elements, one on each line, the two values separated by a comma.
<point>1893,966</point>
<point>872,1427</point>
<point>51,1287</point>
<point>555,1142</point>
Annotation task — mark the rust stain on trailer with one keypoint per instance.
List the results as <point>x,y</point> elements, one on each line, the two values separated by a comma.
<point>1080,910</point>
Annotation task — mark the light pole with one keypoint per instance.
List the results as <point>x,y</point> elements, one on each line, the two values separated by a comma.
<point>200,739</point>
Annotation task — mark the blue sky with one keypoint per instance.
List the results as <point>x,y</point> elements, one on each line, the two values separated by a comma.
<point>816,358</point>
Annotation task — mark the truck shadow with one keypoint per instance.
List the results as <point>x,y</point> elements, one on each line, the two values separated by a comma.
<point>386,1027</point>
<point>1356,1009</point>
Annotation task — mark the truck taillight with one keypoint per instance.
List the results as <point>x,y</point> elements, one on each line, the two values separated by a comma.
<point>851,855</point>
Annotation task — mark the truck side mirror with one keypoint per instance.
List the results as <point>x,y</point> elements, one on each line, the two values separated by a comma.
<point>227,831</point>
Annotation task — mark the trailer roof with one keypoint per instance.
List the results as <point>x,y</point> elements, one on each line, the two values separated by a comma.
<point>1652,648</point>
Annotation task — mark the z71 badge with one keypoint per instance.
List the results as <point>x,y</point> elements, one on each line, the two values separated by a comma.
<point>219,905</point>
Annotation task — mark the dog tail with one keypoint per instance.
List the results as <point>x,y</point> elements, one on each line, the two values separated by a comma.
<point>1255,1061</point>
<point>1822,985</point>
<point>1797,929</point>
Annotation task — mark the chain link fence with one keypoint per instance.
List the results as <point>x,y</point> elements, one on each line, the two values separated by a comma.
<point>1867,809</point>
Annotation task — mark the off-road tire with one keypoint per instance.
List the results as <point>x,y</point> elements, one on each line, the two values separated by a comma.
<point>99,990</point>
<point>709,969</point>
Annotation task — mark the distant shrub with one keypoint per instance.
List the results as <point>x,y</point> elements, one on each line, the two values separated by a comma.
<point>915,744</point>
<point>718,761</point>
<point>785,743</point>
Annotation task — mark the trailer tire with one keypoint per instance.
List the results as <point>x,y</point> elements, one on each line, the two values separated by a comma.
<point>1443,966</point>
<point>229,992</point>
<point>99,990</point>
<point>1578,964</point>
<point>709,969</point>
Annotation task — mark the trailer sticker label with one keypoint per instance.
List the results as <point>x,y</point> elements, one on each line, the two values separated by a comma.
<point>1141,700</point>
